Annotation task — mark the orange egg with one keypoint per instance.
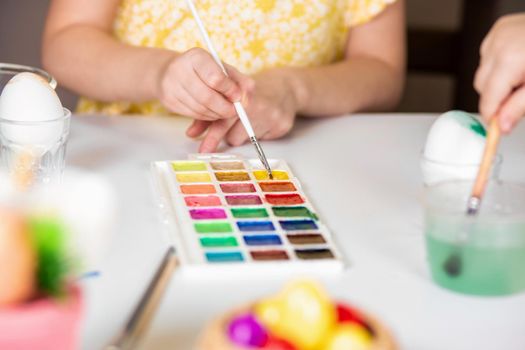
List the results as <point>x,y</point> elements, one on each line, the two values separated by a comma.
<point>18,260</point>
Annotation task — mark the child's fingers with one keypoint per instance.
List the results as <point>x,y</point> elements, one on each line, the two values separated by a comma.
<point>497,87</point>
<point>212,75</point>
<point>201,111</point>
<point>486,66</point>
<point>246,83</point>
<point>180,101</point>
<point>197,128</point>
<point>512,110</point>
<point>482,73</point>
<point>486,45</point>
<point>177,106</point>
<point>216,132</point>
<point>210,99</point>
<point>237,135</point>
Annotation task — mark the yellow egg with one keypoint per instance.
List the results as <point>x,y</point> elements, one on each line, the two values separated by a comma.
<point>349,336</point>
<point>302,314</point>
<point>269,312</point>
<point>17,260</point>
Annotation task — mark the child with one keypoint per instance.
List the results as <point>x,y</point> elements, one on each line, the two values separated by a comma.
<point>313,58</point>
<point>500,79</point>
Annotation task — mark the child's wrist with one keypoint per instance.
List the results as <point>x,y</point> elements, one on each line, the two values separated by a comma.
<point>294,77</point>
<point>159,66</point>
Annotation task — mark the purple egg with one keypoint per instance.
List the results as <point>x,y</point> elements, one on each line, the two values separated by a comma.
<point>245,330</point>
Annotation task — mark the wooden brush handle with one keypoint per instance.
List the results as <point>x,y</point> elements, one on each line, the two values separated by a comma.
<point>491,147</point>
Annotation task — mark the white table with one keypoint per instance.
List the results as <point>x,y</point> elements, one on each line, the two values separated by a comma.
<point>362,174</point>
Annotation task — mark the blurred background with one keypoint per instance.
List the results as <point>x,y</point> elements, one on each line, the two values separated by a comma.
<point>444,38</point>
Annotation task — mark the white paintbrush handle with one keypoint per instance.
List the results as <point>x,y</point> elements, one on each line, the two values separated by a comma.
<point>244,119</point>
<point>238,106</point>
<point>205,36</point>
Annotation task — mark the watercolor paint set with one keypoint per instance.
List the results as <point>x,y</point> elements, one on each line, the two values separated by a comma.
<point>224,213</point>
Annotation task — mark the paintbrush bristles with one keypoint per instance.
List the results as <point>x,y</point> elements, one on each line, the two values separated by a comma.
<point>491,147</point>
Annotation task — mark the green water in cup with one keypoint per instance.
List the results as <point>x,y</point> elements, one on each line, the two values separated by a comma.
<point>491,247</point>
<point>485,270</point>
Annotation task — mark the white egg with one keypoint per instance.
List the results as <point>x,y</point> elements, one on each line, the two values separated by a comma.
<point>454,147</point>
<point>456,137</point>
<point>26,100</point>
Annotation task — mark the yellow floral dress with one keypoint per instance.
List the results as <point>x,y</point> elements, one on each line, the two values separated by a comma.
<point>251,35</point>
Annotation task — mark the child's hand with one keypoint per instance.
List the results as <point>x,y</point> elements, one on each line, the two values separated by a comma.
<point>501,75</point>
<point>192,84</point>
<point>271,104</point>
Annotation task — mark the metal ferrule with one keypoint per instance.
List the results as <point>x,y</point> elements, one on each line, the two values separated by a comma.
<point>473,205</point>
<point>262,156</point>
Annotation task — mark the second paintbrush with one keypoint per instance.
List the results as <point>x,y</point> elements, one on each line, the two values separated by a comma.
<point>238,106</point>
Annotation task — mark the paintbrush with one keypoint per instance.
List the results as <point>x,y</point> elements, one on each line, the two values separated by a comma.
<point>243,116</point>
<point>453,264</point>
<point>143,313</point>
<point>10,68</point>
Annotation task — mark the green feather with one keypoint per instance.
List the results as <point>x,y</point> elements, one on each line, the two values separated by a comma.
<point>49,237</point>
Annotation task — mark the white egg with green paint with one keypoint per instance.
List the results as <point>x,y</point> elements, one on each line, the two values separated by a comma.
<point>454,148</point>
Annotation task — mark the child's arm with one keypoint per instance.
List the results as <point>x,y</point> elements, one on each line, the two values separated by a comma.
<point>79,50</point>
<point>371,78</point>
<point>500,79</point>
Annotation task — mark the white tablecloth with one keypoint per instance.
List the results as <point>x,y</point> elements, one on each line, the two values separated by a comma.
<point>362,174</point>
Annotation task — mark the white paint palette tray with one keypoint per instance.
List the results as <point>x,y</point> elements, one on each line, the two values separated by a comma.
<point>224,214</point>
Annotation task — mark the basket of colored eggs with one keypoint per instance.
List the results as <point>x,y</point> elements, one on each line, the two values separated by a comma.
<point>39,306</point>
<point>301,317</point>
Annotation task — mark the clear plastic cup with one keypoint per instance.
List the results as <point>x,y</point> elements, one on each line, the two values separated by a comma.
<point>33,153</point>
<point>481,255</point>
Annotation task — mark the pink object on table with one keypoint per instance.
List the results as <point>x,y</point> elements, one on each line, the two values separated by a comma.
<point>43,324</point>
